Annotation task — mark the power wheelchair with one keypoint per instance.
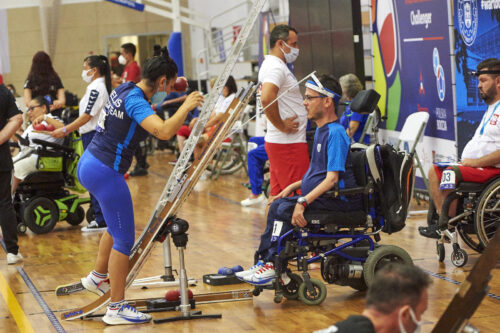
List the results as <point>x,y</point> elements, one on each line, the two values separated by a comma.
<point>345,243</point>
<point>476,221</point>
<point>43,198</point>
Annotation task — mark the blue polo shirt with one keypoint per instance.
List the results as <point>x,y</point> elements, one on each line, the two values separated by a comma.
<point>118,130</point>
<point>331,152</point>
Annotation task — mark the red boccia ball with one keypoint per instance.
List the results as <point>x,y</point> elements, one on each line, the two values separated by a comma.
<point>50,127</point>
<point>180,84</point>
<point>39,127</point>
<point>172,295</point>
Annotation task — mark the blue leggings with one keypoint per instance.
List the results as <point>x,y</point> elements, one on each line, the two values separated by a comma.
<point>86,140</point>
<point>113,195</point>
<point>256,160</point>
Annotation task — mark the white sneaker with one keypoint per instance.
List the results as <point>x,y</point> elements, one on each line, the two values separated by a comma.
<point>93,226</point>
<point>100,288</point>
<point>14,258</point>
<point>249,272</point>
<point>264,276</point>
<point>254,201</point>
<point>126,314</point>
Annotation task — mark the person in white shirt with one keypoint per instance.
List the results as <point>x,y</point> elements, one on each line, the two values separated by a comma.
<point>481,155</point>
<point>224,101</point>
<point>96,73</point>
<point>41,123</point>
<point>285,140</point>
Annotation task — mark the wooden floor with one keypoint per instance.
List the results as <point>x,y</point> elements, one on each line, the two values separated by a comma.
<point>222,233</point>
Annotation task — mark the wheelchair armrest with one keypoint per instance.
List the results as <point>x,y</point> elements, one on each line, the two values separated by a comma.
<point>333,194</point>
<point>22,141</point>
<point>52,145</point>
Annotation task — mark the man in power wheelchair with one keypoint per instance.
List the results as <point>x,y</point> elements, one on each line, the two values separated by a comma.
<point>335,226</point>
<point>42,170</point>
<point>466,196</point>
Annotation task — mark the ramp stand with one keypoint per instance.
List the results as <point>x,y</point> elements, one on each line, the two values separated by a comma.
<point>166,280</point>
<point>178,230</point>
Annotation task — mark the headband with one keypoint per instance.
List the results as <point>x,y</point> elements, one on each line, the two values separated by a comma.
<point>491,71</point>
<point>318,87</point>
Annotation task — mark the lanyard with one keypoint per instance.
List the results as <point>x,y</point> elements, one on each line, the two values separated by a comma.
<point>487,121</point>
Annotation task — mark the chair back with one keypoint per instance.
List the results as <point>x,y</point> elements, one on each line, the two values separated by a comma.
<point>414,126</point>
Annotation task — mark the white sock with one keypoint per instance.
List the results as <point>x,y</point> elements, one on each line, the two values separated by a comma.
<point>96,277</point>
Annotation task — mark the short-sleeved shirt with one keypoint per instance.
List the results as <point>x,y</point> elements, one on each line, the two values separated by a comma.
<point>223,103</point>
<point>330,152</point>
<point>96,96</point>
<point>274,70</point>
<point>8,109</point>
<point>50,94</point>
<point>30,135</point>
<point>118,130</point>
<point>486,139</point>
<point>349,116</point>
<point>353,323</point>
<point>132,73</point>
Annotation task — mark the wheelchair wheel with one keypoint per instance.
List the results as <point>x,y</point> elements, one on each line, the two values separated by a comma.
<point>380,257</point>
<point>232,162</point>
<point>77,217</point>
<point>291,290</point>
<point>468,234</point>
<point>312,298</point>
<point>487,214</point>
<point>459,257</point>
<point>41,215</point>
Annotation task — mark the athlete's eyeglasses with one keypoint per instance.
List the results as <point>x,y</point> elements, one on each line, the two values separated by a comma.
<point>309,98</point>
<point>31,108</point>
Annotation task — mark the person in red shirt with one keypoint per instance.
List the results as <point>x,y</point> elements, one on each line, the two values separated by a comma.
<point>132,71</point>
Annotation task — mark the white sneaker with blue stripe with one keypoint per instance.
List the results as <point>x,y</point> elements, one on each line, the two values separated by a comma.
<point>249,272</point>
<point>263,276</point>
<point>124,315</point>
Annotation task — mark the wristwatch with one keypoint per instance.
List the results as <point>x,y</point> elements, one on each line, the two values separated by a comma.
<point>64,130</point>
<point>303,201</point>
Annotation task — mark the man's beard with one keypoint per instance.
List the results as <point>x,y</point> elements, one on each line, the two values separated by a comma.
<point>489,95</point>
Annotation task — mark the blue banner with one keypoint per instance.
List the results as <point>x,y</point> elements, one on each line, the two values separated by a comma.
<point>477,37</point>
<point>129,4</point>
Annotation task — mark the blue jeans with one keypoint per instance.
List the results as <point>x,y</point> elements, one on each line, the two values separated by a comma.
<point>256,160</point>
<point>99,218</point>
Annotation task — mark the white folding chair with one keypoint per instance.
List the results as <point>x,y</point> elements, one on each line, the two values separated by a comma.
<point>413,131</point>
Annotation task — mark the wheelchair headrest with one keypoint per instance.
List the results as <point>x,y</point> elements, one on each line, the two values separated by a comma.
<point>365,101</point>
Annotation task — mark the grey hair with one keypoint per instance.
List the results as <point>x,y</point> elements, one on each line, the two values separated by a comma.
<point>351,85</point>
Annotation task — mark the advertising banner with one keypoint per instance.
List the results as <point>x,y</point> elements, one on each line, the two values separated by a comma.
<point>477,37</point>
<point>412,72</point>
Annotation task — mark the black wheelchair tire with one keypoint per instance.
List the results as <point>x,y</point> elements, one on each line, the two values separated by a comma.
<point>291,290</point>
<point>486,231</point>
<point>44,207</point>
<point>307,298</point>
<point>466,237</point>
<point>380,257</point>
<point>459,258</point>
<point>77,217</point>
<point>440,251</point>
<point>232,164</point>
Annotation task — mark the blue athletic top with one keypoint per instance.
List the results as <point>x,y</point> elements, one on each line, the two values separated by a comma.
<point>118,130</point>
<point>330,152</point>
<point>349,116</point>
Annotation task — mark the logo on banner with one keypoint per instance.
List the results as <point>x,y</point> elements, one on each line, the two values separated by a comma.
<point>468,20</point>
<point>439,72</point>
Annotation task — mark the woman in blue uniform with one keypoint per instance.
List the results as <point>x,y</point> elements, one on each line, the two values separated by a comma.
<point>127,119</point>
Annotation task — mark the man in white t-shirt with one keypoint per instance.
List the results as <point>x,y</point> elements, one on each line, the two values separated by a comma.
<point>285,140</point>
<point>481,155</point>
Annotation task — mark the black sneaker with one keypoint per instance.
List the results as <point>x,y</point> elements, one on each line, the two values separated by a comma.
<point>430,231</point>
<point>138,172</point>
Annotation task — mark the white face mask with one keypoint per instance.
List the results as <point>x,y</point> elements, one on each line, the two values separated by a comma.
<point>292,56</point>
<point>122,60</point>
<point>417,323</point>
<point>85,76</point>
